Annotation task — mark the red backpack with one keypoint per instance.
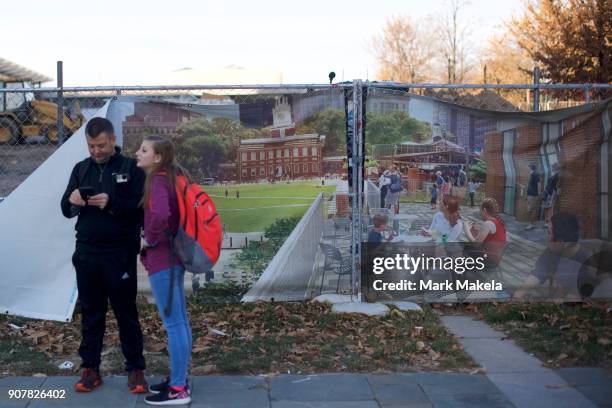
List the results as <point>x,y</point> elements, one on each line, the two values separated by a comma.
<point>198,240</point>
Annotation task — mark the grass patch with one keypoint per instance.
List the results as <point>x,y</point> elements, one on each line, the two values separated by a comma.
<point>260,204</point>
<point>561,335</point>
<point>17,357</point>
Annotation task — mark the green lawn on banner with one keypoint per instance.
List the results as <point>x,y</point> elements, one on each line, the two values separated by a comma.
<point>260,204</point>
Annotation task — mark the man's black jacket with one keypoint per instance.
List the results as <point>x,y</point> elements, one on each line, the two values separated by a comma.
<point>118,224</point>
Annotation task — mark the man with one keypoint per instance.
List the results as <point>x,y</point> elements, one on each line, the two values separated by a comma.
<point>105,191</point>
<point>533,195</point>
<point>472,187</point>
<point>461,177</point>
<point>394,189</point>
<point>383,183</point>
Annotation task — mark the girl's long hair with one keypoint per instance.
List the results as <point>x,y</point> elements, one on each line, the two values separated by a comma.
<point>489,204</point>
<point>167,165</point>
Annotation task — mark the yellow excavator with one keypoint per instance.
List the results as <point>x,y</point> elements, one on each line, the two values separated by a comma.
<point>36,118</point>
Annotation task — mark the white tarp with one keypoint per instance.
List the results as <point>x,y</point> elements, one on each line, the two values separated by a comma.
<point>37,278</point>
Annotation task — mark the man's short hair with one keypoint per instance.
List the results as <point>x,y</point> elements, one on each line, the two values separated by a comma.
<point>97,125</point>
<point>379,219</point>
<point>565,227</point>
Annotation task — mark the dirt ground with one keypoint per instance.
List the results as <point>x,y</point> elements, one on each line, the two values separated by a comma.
<point>17,162</point>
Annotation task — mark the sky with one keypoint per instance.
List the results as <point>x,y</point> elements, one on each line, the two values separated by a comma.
<point>121,42</point>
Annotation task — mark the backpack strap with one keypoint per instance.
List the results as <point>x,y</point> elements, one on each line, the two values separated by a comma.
<point>168,308</point>
<point>82,169</point>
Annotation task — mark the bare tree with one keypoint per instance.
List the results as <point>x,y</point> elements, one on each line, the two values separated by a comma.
<point>404,51</point>
<point>502,61</point>
<point>455,42</point>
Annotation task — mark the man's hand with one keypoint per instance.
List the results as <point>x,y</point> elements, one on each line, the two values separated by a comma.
<point>99,200</point>
<point>76,199</point>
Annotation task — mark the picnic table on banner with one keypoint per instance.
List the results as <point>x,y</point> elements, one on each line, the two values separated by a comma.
<point>418,245</point>
<point>403,221</point>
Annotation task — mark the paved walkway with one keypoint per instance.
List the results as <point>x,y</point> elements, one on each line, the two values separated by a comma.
<point>285,391</point>
<point>513,379</point>
<point>522,377</point>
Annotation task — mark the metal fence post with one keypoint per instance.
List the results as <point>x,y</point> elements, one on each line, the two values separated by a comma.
<point>60,103</point>
<point>587,94</point>
<point>357,191</point>
<point>536,90</point>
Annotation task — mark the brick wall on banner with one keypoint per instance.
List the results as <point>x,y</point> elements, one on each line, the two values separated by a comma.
<point>496,176</point>
<point>580,162</point>
<point>526,150</point>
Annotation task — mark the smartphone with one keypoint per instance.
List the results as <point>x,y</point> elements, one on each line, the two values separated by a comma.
<point>86,192</point>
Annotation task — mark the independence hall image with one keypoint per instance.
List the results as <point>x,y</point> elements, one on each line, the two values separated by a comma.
<point>282,155</point>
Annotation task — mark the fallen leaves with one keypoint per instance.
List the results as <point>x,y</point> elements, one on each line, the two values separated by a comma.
<point>157,347</point>
<point>268,338</point>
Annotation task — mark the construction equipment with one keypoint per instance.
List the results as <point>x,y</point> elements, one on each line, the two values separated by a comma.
<point>37,118</point>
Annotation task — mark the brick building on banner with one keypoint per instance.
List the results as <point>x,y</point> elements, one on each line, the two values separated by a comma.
<point>578,140</point>
<point>163,117</point>
<point>282,155</point>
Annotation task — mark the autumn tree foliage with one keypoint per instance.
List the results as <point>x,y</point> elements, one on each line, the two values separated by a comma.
<point>571,40</point>
<point>403,51</point>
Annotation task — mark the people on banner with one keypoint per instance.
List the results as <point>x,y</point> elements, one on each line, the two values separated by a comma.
<point>383,184</point>
<point>439,182</point>
<point>434,196</point>
<point>550,193</point>
<point>104,193</point>
<point>439,225</point>
<point>156,157</point>
<point>453,218</point>
<point>461,177</point>
<point>446,187</point>
<point>532,196</point>
<point>380,225</point>
<point>394,189</point>
<point>561,271</point>
<point>472,187</point>
<point>489,237</point>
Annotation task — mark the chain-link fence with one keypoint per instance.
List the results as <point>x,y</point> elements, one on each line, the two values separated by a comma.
<point>266,152</point>
<point>30,129</point>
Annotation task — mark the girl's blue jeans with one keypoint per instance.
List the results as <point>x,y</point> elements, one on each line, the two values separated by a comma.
<point>177,324</point>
